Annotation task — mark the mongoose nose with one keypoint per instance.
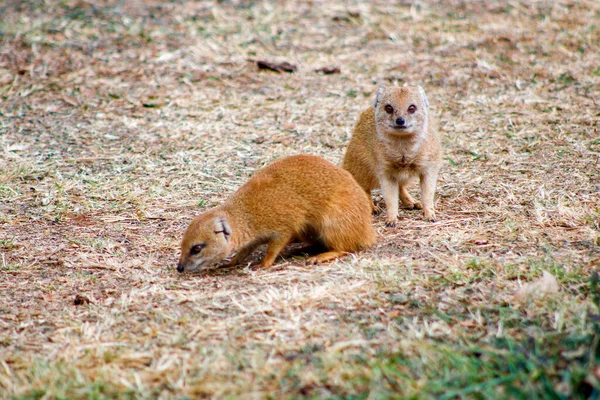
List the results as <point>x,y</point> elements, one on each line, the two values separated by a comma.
<point>400,121</point>
<point>180,267</point>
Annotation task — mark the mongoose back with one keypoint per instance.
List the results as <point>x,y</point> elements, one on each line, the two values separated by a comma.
<point>394,142</point>
<point>301,197</point>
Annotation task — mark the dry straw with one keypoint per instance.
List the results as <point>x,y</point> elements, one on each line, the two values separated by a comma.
<point>120,121</point>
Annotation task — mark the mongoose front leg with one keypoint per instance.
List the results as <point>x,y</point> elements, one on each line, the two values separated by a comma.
<point>389,190</point>
<point>276,244</point>
<point>428,181</point>
<point>243,253</point>
<point>327,256</point>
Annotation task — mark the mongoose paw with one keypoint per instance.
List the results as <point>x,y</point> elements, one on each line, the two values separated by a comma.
<point>417,205</point>
<point>264,265</point>
<point>323,257</point>
<point>312,261</point>
<point>430,216</point>
<point>231,263</point>
<point>390,224</point>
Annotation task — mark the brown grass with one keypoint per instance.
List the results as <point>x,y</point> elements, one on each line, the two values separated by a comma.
<point>120,121</point>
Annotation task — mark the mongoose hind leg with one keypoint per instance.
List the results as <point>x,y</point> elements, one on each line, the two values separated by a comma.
<point>407,200</point>
<point>348,231</point>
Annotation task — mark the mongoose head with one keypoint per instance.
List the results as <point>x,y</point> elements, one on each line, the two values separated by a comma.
<point>206,242</point>
<point>401,111</point>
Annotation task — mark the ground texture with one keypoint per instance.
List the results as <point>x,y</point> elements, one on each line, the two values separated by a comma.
<point>120,121</point>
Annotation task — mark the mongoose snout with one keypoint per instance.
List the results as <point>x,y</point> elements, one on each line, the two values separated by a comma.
<point>400,123</point>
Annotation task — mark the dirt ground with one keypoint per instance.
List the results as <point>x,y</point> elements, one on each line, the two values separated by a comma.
<point>120,121</point>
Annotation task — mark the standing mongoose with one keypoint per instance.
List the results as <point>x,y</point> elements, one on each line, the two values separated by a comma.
<point>394,142</point>
<point>301,197</point>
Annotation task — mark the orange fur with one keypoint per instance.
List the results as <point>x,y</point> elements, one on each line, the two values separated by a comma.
<point>299,197</point>
<point>387,155</point>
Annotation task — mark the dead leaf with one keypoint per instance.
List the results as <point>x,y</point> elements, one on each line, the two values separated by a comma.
<point>346,18</point>
<point>80,299</point>
<point>277,67</point>
<point>468,323</point>
<point>545,285</point>
<point>328,70</point>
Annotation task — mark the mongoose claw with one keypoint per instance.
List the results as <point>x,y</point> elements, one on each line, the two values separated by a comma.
<point>390,224</point>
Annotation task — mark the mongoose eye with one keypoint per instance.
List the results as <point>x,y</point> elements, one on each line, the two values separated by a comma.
<point>197,249</point>
<point>412,108</point>
<point>389,109</point>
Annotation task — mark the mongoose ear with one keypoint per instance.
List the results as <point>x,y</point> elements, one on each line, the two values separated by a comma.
<point>422,92</point>
<point>222,226</point>
<point>378,96</point>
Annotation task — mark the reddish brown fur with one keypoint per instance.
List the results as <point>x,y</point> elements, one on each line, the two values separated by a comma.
<point>299,197</point>
<point>380,155</point>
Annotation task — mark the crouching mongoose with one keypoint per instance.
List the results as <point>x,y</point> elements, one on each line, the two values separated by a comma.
<point>394,142</point>
<point>301,197</point>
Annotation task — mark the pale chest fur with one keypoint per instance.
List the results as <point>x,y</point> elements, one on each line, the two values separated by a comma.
<point>402,159</point>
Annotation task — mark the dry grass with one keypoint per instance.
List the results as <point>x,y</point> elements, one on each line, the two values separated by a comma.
<point>120,121</point>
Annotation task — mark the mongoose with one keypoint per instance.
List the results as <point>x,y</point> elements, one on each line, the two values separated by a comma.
<point>393,142</point>
<point>301,197</point>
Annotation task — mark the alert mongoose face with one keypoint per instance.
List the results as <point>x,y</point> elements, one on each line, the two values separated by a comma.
<point>401,112</point>
<point>301,197</point>
<point>393,143</point>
